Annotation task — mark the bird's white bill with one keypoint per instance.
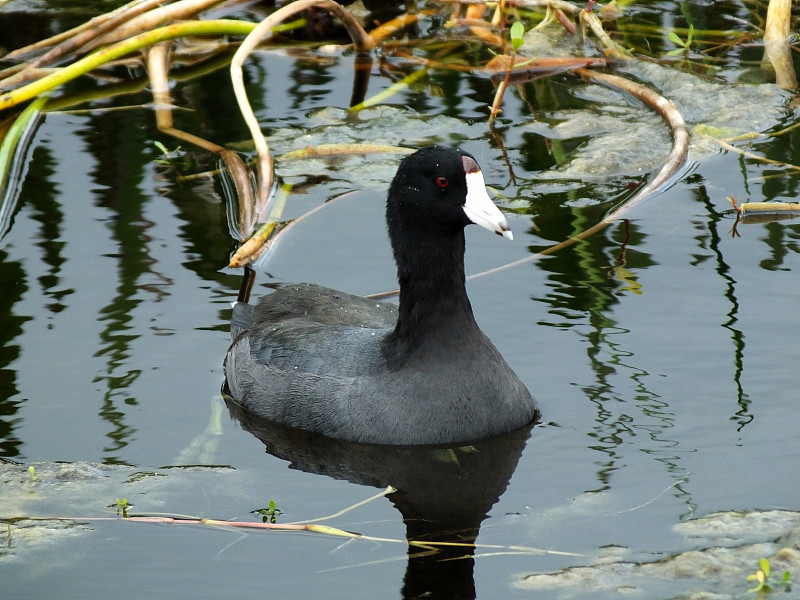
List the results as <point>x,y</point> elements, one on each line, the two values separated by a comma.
<point>481,210</point>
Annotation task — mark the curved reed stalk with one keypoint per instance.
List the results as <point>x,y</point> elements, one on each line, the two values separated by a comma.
<point>676,159</point>
<point>361,40</point>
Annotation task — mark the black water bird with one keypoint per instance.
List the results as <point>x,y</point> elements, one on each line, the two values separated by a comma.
<point>355,369</point>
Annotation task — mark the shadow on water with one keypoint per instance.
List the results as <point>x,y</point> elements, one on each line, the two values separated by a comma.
<point>443,493</point>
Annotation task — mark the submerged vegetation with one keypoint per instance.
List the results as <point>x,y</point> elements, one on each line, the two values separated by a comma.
<point>482,37</point>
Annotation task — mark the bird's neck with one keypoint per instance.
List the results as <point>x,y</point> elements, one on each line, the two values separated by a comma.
<point>433,296</point>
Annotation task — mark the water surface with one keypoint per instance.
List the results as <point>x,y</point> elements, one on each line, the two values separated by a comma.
<point>662,350</point>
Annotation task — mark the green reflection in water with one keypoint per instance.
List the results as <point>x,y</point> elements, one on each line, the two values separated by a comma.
<point>118,147</point>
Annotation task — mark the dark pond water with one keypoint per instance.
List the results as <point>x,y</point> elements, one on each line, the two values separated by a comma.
<point>663,350</point>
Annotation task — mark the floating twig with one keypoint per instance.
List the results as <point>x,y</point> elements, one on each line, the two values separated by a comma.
<point>762,212</point>
<point>751,155</point>
<point>399,23</point>
<point>526,69</point>
<point>393,89</point>
<point>327,150</point>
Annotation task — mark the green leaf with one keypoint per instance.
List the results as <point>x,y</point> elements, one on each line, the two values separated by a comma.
<point>764,564</point>
<point>760,578</point>
<point>517,31</point>
<point>675,52</point>
<point>689,37</point>
<point>673,37</point>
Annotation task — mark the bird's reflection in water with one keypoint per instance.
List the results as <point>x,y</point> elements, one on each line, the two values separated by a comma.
<point>444,494</point>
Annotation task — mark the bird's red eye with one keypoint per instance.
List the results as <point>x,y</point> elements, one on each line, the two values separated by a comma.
<point>442,182</point>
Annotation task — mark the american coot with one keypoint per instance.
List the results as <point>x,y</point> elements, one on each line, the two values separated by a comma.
<point>355,369</point>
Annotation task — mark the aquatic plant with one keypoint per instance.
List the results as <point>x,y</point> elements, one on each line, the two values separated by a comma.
<point>122,507</point>
<point>762,578</point>
<point>516,34</point>
<point>145,32</point>
<point>684,46</point>
<point>268,514</point>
